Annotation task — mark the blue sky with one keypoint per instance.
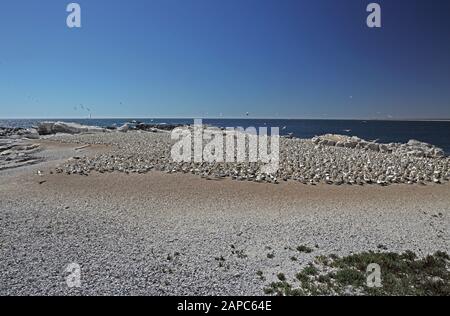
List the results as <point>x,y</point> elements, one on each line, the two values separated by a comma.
<point>206,58</point>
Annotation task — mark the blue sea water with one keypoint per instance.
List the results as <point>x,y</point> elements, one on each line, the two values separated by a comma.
<point>433,132</point>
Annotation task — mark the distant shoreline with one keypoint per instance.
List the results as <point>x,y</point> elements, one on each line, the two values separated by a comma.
<point>387,131</point>
<point>227,118</point>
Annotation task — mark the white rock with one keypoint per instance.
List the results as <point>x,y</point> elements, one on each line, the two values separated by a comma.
<point>46,128</point>
<point>124,128</point>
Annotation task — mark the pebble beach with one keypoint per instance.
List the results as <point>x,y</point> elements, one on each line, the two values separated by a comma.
<point>139,224</point>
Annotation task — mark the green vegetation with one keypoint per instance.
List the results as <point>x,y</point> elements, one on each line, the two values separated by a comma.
<point>304,249</point>
<point>401,274</point>
<point>281,277</point>
<point>310,270</point>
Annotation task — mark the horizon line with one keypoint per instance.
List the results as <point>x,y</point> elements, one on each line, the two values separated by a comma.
<point>232,118</point>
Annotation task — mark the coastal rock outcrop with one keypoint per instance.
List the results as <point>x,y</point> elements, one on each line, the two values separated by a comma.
<point>412,148</point>
<point>16,133</point>
<point>124,128</point>
<point>16,153</point>
<point>420,149</point>
<point>156,127</point>
<point>48,128</point>
<point>16,150</point>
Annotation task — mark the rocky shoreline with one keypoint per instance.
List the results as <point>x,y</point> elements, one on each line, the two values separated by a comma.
<point>309,161</point>
<point>16,149</point>
<point>411,148</point>
<point>329,159</point>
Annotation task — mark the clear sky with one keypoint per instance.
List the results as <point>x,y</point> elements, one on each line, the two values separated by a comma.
<point>206,58</point>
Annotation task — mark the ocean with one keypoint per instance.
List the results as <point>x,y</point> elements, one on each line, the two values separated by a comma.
<point>433,132</point>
